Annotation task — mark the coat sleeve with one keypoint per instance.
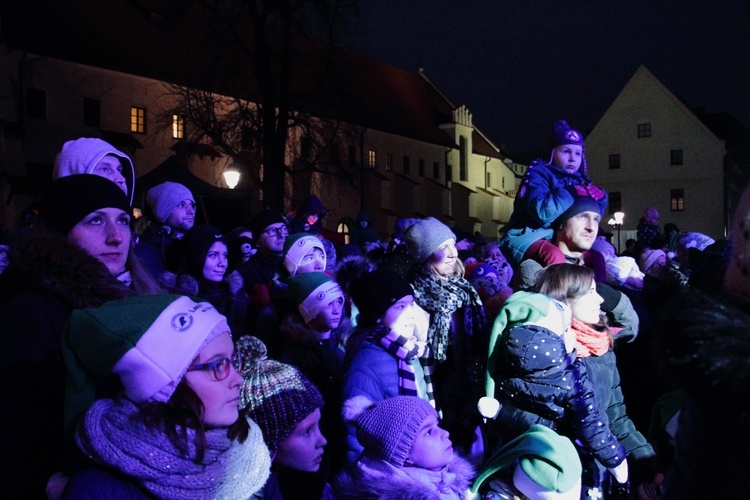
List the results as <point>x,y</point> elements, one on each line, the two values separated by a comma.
<point>545,198</point>
<point>587,423</point>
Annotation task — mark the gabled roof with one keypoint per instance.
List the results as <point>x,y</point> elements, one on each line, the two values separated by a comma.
<point>168,41</point>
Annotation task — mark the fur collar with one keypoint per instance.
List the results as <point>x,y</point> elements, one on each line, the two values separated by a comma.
<point>45,263</point>
<point>378,480</point>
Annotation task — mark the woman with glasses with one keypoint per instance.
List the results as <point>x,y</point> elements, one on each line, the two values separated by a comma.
<point>81,256</point>
<point>175,430</point>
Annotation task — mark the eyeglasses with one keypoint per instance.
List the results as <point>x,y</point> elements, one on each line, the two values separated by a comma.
<point>277,231</point>
<point>219,368</point>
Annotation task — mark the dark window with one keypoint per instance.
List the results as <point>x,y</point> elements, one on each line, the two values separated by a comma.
<point>677,200</point>
<point>389,162</point>
<point>407,166</point>
<point>462,158</point>
<point>91,112</point>
<point>36,103</point>
<point>421,167</point>
<point>352,155</point>
<point>448,173</point>
<point>335,148</point>
<point>487,181</point>
<point>305,148</point>
<point>615,202</point>
<point>436,170</point>
<point>675,157</point>
<point>644,130</point>
<point>614,161</point>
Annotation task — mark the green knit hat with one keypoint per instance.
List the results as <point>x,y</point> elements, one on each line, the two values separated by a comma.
<point>312,292</point>
<point>147,341</point>
<point>297,246</point>
<point>548,465</point>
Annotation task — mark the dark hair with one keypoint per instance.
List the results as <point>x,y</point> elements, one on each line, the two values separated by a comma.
<point>184,411</point>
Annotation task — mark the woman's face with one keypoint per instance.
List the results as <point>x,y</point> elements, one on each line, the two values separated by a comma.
<point>219,397</point>
<point>303,449</point>
<point>432,448</point>
<point>216,261</point>
<point>400,316</point>
<point>586,308</point>
<point>104,234</point>
<point>444,259</point>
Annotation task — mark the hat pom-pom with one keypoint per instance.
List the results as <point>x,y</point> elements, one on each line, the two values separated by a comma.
<point>355,407</point>
<point>250,350</point>
<point>561,125</point>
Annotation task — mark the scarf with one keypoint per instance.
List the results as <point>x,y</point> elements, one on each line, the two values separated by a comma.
<point>442,297</point>
<point>405,350</point>
<point>589,341</point>
<point>111,434</point>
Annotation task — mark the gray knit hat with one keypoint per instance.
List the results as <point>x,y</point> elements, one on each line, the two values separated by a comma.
<point>424,236</point>
<point>164,197</point>
<point>387,429</point>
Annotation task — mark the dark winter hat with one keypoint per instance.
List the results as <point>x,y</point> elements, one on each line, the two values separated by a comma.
<point>563,134</point>
<point>276,395</point>
<point>546,465</point>
<point>387,429</point>
<point>424,236</point>
<point>164,197</point>
<point>70,199</point>
<point>376,291</point>
<point>312,292</point>
<point>580,204</point>
<point>262,220</point>
<point>196,244</point>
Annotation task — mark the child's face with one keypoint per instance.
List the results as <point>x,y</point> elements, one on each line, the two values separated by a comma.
<point>432,448</point>
<point>400,316</point>
<point>314,260</point>
<point>303,449</point>
<point>568,157</point>
<point>330,317</point>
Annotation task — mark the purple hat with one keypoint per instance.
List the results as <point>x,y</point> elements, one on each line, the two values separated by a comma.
<point>563,134</point>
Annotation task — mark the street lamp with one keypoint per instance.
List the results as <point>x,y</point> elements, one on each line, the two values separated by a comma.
<point>616,222</point>
<point>231,177</point>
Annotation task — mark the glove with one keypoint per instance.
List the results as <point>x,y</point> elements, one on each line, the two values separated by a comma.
<point>620,472</point>
<point>234,281</point>
<point>591,191</point>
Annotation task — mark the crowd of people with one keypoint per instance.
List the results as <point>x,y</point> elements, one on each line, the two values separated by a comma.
<point>269,362</point>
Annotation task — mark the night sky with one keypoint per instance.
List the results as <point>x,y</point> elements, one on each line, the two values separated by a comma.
<point>519,66</point>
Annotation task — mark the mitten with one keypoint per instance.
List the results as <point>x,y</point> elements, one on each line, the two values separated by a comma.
<point>620,472</point>
<point>591,191</point>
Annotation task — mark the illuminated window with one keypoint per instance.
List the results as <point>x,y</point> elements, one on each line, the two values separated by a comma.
<point>138,120</point>
<point>614,161</point>
<point>675,157</point>
<point>178,127</point>
<point>644,130</point>
<point>677,200</point>
<point>343,229</point>
<point>371,158</point>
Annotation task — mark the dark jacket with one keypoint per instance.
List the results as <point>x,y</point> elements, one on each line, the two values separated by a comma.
<point>258,278</point>
<point>545,193</point>
<point>156,249</point>
<point>311,205</point>
<point>47,279</point>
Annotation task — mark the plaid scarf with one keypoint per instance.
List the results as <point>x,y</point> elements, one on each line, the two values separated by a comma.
<point>405,350</point>
<point>442,297</point>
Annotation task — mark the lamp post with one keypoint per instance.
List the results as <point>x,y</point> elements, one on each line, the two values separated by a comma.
<point>231,177</point>
<point>616,222</point>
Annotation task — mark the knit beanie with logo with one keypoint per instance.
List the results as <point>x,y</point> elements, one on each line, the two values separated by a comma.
<point>312,292</point>
<point>424,236</point>
<point>387,429</point>
<point>70,199</point>
<point>164,197</point>
<point>562,134</point>
<point>297,246</point>
<point>275,395</point>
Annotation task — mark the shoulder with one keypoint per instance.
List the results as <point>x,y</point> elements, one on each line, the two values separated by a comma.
<point>99,483</point>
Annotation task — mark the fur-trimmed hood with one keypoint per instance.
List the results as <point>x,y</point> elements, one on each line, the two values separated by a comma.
<point>46,263</point>
<point>374,479</point>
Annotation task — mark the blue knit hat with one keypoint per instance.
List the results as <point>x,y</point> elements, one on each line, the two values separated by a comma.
<point>562,134</point>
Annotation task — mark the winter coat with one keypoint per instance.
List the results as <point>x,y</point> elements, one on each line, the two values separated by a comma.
<point>258,277</point>
<point>544,195</point>
<point>156,249</point>
<point>47,279</point>
<point>311,205</point>
<point>378,480</point>
<point>706,343</point>
<point>531,371</point>
<point>228,296</point>
<point>372,373</point>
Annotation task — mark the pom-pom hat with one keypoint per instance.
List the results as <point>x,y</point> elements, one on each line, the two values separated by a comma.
<point>563,134</point>
<point>276,396</point>
<point>387,429</point>
<point>164,197</point>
